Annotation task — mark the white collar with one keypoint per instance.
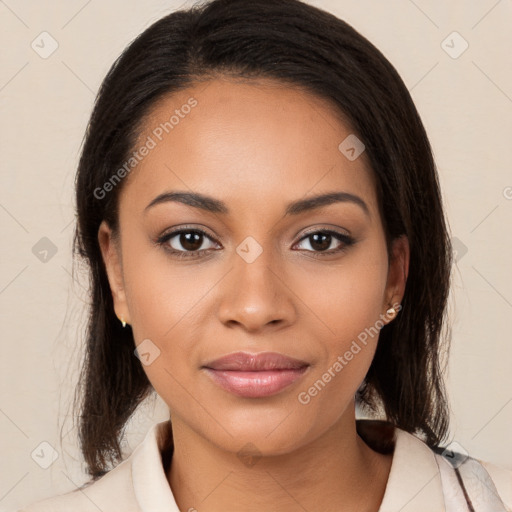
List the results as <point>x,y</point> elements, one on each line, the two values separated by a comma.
<point>149,480</point>
<point>414,483</point>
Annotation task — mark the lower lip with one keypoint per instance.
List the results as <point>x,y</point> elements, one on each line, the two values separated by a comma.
<point>255,384</point>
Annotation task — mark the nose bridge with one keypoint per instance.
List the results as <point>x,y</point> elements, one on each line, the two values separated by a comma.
<point>255,270</point>
<point>255,294</point>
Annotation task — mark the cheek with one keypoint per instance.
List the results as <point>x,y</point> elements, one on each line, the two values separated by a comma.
<point>166,302</point>
<point>344,299</point>
<point>346,356</point>
<point>347,303</point>
<point>161,293</point>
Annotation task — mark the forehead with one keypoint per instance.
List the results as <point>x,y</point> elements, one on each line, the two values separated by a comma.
<point>251,144</point>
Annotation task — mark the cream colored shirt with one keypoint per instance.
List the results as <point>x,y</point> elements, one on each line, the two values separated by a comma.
<point>419,481</point>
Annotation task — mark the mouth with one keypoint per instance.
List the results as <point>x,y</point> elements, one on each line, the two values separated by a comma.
<point>255,375</point>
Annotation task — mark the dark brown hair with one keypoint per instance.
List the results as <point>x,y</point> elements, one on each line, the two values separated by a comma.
<point>303,46</point>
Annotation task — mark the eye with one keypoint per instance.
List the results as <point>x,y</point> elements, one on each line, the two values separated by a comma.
<point>321,242</point>
<point>194,242</point>
<point>186,242</point>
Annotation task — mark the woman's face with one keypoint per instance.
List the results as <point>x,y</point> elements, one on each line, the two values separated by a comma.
<point>309,282</point>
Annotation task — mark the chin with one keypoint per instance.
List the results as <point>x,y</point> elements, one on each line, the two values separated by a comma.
<point>268,433</point>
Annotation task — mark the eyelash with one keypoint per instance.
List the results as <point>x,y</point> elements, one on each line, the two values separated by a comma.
<point>161,241</point>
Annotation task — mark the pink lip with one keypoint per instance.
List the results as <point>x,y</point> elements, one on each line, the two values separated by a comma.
<point>255,375</point>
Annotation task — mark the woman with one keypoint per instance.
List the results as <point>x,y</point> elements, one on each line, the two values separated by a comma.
<point>260,209</point>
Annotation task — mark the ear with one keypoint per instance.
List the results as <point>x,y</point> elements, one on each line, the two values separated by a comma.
<point>111,252</point>
<point>397,273</point>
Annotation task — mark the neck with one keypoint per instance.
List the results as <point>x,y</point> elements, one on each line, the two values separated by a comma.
<point>338,472</point>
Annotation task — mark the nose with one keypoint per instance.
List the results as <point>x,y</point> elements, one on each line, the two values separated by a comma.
<point>256,296</point>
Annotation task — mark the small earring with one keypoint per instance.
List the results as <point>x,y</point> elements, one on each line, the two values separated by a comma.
<point>391,311</point>
<point>123,322</point>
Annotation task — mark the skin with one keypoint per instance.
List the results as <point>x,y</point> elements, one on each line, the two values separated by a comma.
<point>257,145</point>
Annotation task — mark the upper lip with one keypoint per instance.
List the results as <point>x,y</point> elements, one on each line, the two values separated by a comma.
<point>244,361</point>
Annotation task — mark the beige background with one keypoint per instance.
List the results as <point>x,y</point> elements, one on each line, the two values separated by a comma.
<point>466,106</point>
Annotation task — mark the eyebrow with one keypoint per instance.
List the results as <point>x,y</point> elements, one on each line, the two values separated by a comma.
<point>210,204</point>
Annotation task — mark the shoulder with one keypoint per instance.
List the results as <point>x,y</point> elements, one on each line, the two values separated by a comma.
<point>483,485</point>
<point>138,482</point>
<point>502,479</point>
<point>423,478</point>
<point>113,491</point>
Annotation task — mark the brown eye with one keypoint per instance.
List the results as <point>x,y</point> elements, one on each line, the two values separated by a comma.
<point>186,242</point>
<point>322,241</point>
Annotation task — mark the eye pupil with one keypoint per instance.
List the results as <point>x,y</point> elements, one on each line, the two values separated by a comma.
<point>321,246</point>
<point>191,240</point>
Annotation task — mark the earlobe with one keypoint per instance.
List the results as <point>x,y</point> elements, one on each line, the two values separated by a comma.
<point>112,259</point>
